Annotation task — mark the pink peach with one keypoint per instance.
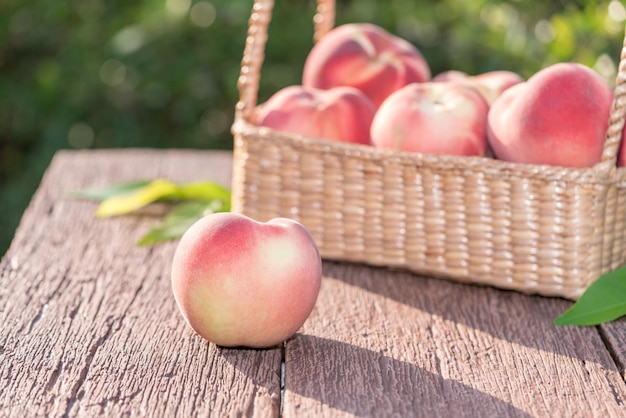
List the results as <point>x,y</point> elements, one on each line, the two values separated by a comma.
<point>490,84</point>
<point>367,57</point>
<point>239,282</point>
<point>451,75</point>
<point>558,117</point>
<point>493,83</point>
<point>433,118</point>
<point>340,114</point>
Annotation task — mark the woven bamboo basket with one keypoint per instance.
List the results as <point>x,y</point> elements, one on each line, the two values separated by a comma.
<point>529,228</point>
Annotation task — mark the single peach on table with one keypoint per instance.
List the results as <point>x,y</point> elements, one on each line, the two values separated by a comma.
<point>433,118</point>
<point>239,282</point>
<point>367,57</point>
<point>340,114</point>
<point>558,117</point>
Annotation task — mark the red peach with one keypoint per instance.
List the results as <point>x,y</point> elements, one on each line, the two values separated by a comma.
<point>367,57</point>
<point>340,114</point>
<point>239,282</point>
<point>434,118</point>
<point>558,117</point>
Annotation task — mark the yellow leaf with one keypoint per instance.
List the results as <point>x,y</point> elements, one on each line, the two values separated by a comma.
<point>121,205</point>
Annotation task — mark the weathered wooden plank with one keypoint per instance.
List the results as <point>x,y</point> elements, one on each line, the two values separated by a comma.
<point>89,326</point>
<point>392,344</point>
<point>614,334</point>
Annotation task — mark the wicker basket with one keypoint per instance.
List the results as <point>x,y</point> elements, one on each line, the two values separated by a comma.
<point>531,228</point>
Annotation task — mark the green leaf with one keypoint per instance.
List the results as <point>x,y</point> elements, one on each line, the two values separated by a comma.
<point>106,192</point>
<point>603,301</point>
<point>176,223</point>
<point>204,191</point>
<point>200,198</point>
<point>140,196</point>
<point>123,204</point>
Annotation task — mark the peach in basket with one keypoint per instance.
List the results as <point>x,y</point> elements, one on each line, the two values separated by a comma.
<point>367,57</point>
<point>558,117</point>
<point>433,118</point>
<point>341,113</point>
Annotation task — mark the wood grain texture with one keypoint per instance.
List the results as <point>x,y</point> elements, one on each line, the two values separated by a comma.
<point>383,343</point>
<point>614,334</point>
<point>89,326</point>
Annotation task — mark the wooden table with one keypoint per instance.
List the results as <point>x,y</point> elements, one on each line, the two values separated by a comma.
<point>90,328</point>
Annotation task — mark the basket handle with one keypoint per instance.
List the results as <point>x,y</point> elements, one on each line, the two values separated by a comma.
<point>324,19</point>
<point>254,50</point>
<point>618,112</point>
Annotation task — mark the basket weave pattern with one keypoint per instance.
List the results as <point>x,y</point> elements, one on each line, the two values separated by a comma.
<point>531,228</point>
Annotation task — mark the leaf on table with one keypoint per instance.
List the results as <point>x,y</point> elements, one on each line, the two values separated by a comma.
<point>603,301</point>
<point>106,192</point>
<point>176,223</point>
<point>200,198</point>
<point>204,191</point>
<point>125,203</point>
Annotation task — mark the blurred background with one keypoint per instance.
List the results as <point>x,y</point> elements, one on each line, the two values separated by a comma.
<point>80,74</point>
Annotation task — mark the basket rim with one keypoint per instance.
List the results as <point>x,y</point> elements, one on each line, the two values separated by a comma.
<point>488,166</point>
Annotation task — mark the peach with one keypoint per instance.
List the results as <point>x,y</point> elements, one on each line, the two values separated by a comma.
<point>493,83</point>
<point>558,117</point>
<point>433,118</point>
<point>451,75</point>
<point>339,114</point>
<point>490,84</point>
<point>367,57</point>
<point>239,282</point>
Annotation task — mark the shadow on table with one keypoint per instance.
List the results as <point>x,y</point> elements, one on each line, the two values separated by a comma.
<point>361,382</point>
<point>506,315</point>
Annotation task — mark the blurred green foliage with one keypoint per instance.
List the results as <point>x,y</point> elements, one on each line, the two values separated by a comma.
<point>162,73</point>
